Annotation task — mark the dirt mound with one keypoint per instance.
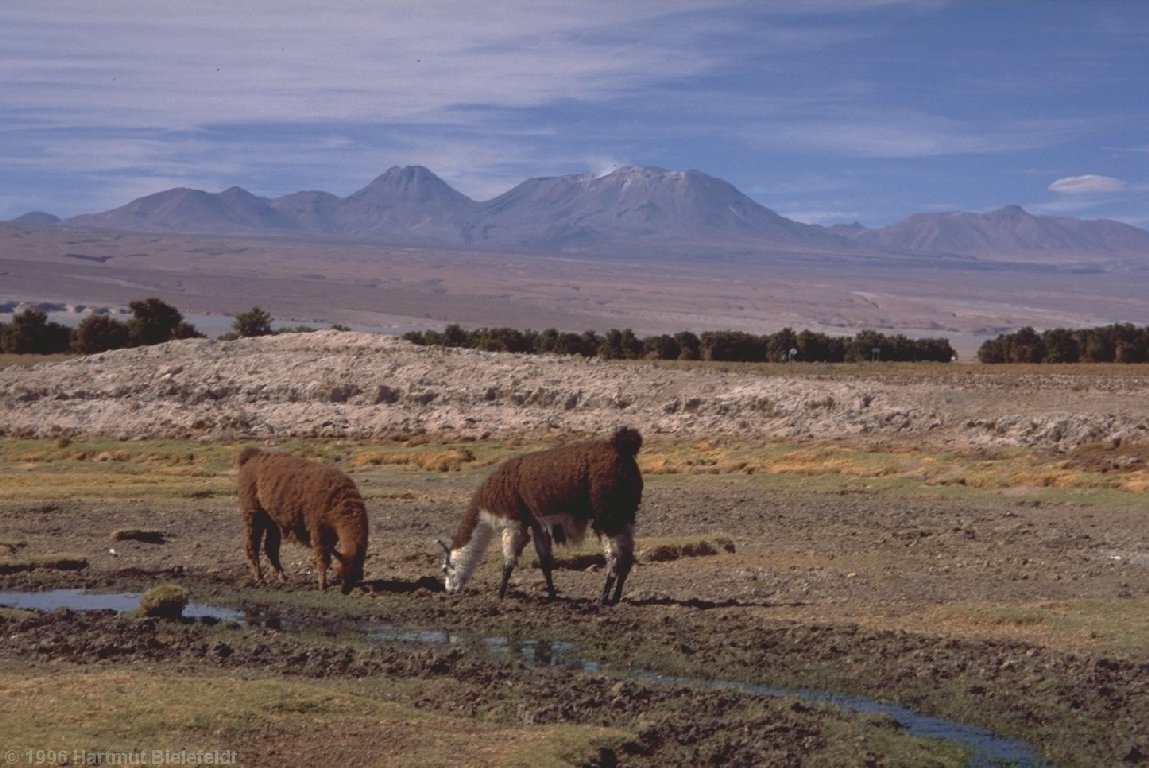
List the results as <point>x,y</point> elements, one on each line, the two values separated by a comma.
<point>342,384</point>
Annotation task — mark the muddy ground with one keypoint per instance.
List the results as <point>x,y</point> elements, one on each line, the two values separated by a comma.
<point>852,592</point>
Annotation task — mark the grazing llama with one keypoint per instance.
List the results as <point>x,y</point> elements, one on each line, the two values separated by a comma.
<point>308,502</point>
<point>553,496</point>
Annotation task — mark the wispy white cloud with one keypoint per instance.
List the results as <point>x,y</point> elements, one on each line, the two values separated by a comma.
<point>808,105</point>
<point>876,131</point>
<point>822,217</point>
<point>179,65</point>
<point>1088,184</point>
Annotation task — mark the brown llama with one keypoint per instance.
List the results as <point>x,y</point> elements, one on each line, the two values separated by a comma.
<point>313,504</point>
<point>553,496</point>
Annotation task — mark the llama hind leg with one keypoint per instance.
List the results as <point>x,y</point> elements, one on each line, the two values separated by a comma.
<point>514,540</point>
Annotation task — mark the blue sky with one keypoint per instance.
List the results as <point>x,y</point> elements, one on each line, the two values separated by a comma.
<point>827,112</point>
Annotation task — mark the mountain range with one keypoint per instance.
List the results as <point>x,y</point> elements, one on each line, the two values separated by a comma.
<point>633,210</point>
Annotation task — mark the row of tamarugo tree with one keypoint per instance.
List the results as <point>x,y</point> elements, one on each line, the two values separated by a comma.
<point>154,322</point>
<point>1117,343</point>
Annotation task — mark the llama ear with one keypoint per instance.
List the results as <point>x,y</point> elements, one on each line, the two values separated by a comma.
<point>446,553</point>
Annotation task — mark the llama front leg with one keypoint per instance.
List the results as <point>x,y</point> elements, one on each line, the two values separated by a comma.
<point>271,547</point>
<point>255,531</point>
<point>514,540</point>
<point>322,562</point>
<point>619,551</point>
<point>543,549</point>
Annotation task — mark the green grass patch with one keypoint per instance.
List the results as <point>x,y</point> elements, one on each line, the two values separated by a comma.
<point>1118,626</point>
<point>309,722</point>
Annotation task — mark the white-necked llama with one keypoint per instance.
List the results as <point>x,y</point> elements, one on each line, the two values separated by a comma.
<point>314,504</point>
<point>553,496</point>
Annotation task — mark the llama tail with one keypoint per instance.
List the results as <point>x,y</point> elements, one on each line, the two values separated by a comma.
<point>626,441</point>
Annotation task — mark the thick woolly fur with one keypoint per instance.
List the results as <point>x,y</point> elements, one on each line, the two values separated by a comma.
<point>554,496</point>
<point>305,501</point>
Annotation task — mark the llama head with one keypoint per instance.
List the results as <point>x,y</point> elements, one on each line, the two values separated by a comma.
<point>352,575</point>
<point>452,581</point>
<point>350,569</point>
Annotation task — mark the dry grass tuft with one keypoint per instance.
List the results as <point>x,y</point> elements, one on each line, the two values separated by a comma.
<point>664,552</point>
<point>144,535</point>
<point>430,459</point>
<point>57,562</point>
<point>1121,468</point>
<point>165,601</point>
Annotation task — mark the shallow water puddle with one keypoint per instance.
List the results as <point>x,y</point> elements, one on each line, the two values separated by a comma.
<point>120,602</point>
<point>546,653</point>
<point>987,748</point>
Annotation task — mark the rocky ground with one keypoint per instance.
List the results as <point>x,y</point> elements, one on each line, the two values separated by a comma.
<point>958,604</point>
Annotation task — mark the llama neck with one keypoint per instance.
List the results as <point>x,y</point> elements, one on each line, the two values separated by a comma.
<point>466,558</point>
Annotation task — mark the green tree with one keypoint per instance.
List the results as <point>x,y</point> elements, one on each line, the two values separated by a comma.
<point>1099,345</point>
<point>734,346</point>
<point>993,350</point>
<point>662,347</point>
<point>454,336</point>
<point>864,344</point>
<point>547,341</point>
<point>1060,346</point>
<point>1131,345</point>
<point>936,350</point>
<point>505,340</point>
<point>99,333</point>
<point>155,322</point>
<point>1026,346</point>
<point>30,332</point>
<point>620,345</point>
<point>253,322</point>
<point>779,344</point>
<point>690,346</point>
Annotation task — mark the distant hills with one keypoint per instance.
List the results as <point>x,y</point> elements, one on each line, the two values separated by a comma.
<point>632,210</point>
<point>1004,231</point>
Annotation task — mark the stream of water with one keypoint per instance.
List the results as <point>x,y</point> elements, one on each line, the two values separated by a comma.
<point>987,748</point>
